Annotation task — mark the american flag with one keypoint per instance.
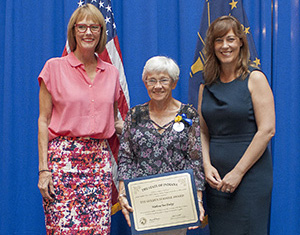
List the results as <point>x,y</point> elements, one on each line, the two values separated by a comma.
<point>112,54</point>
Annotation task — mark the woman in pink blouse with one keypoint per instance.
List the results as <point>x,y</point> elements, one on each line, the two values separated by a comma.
<point>78,106</point>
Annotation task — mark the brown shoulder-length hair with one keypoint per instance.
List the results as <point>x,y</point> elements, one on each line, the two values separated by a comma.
<point>92,12</point>
<point>219,28</point>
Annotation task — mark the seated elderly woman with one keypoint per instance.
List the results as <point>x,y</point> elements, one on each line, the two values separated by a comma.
<point>156,138</point>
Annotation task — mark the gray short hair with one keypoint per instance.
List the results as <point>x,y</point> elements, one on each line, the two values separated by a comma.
<point>161,64</point>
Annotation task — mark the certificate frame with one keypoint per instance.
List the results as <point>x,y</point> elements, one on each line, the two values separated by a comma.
<point>163,202</point>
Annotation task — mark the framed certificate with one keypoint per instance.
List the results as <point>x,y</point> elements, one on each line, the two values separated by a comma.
<point>163,202</point>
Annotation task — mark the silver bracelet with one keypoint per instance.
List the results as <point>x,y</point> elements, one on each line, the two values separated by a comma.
<point>44,171</point>
<point>121,195</point>
<point>200,201</point>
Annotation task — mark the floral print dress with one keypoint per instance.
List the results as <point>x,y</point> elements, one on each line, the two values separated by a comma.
<point>145,151</point>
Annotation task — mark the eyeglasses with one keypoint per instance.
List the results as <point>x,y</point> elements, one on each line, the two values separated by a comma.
<point>82,28</point>
<point>163,81</point>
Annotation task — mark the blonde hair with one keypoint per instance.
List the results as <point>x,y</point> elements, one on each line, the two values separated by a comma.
<point>161,64</point>
<point>219,28</point>
<point>92,12</point>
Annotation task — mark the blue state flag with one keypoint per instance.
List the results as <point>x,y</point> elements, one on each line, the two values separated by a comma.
<point>211,11</point>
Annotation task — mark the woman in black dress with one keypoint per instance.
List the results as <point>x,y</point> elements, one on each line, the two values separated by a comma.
<point>237,119</point>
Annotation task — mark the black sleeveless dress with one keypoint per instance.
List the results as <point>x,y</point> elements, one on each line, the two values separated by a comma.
<point>228,112</point>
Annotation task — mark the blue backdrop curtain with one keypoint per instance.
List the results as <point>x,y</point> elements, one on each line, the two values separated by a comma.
<point>286,87</point>
<point>34,31</point>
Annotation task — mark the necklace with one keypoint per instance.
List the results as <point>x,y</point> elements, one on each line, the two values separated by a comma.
<point>161,127</point>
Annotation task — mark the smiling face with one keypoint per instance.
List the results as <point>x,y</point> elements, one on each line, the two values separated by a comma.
<point>89,39</point>
<point>159,86</point>
<point>227,48</point>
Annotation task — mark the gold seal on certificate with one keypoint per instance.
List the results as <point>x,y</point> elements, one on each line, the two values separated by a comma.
<point>162,202</point>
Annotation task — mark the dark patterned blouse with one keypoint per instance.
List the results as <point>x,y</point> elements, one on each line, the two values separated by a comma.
<point>144,151</point>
